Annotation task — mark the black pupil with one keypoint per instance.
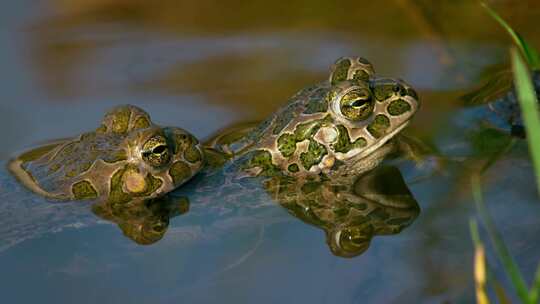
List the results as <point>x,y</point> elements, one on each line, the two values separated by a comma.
<point>359,103</point>
<point>159,149</point>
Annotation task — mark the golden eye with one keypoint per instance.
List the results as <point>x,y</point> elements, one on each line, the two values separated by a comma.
<point>357,105</point>
<point>354,241</point>
<point>156,151</point>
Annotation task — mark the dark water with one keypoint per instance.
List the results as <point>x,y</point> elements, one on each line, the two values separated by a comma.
<point>204,66</point>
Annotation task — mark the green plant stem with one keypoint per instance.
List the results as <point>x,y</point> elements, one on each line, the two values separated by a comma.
<point>529,109</point>
<point>528,52</point>
<point>508,262</point>
<point>534,293</point>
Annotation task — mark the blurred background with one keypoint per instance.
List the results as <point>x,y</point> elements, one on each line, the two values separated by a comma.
<point>65,62</point>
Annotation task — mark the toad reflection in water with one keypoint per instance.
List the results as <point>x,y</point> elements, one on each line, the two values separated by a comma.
<point>351,211</point>
<point>143,222</point>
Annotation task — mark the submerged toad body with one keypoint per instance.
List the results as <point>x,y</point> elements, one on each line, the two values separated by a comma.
<point>343,126</point>
<point>128,157</point>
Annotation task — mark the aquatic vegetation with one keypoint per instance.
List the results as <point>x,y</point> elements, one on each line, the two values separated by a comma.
<point>529,107</point>
<point>525,90</point>
<point>530,54</point>
<point>525,294</point>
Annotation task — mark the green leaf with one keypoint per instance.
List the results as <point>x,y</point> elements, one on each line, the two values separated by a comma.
<point>535,288</point>
<point>530,54</point>
<point>529,109</point>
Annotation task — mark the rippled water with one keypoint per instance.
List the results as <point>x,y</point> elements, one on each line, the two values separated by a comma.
<point>203,67</point>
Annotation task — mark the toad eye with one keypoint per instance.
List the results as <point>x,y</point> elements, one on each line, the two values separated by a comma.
<point>160,226</point>
<point>354,241</point>
<point>357,105</point>
<point>155,151</point>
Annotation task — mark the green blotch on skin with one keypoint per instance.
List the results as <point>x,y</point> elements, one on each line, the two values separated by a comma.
<point>192,154</point>
<point>186,143</point>
<point>361,75</point>
<point>141,123</point>
<point>341,70</point>
<point>116,194</point>
<point>287,144</point>
<point>183,142</point>
<point>308,129</point>
<point>120,120</point>
<point>344,144</point>
<point>383,91</point>
<point>398,107</point>
<point>263,160</point>
<point>179,172</point>
<point>378,127</point>
<point>314,154</point>
<point>84,190</point>
<point>152,184</point>
<point>293,168</point>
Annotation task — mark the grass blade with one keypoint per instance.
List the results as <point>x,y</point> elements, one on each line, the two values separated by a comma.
<point>480,275</point>
<point>479,265</point>
<point>501,294</point>
<point>534,293</point>
<point>529,109</point>
<point>530,54</point>
<point>481,294</point>
<point>506,259</point>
